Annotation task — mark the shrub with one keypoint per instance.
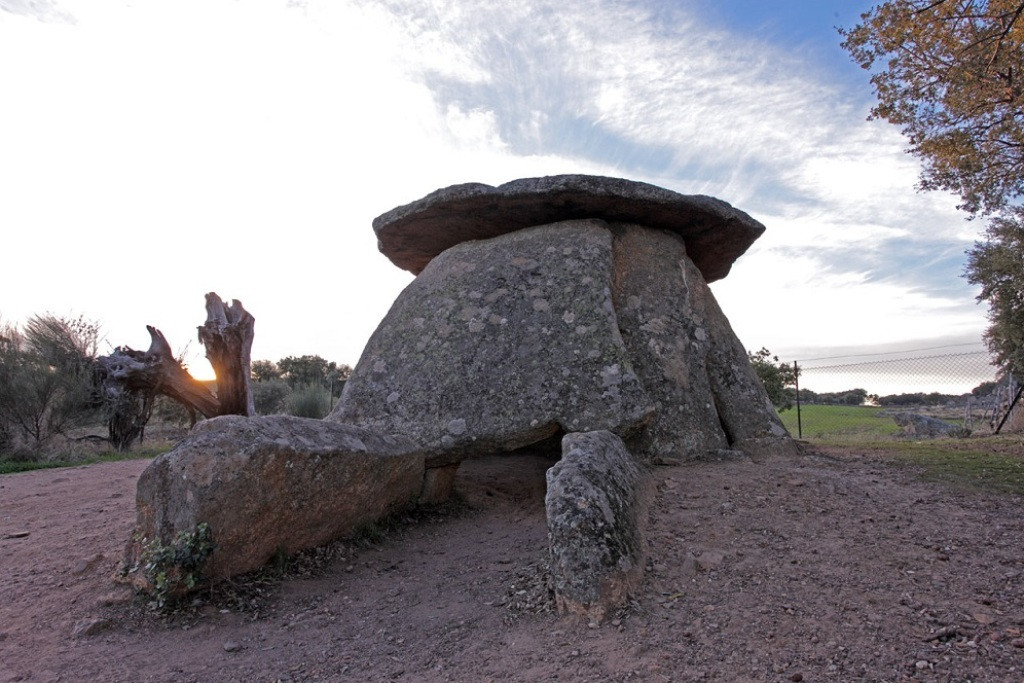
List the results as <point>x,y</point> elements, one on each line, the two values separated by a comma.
<point>271,396</point>
<point>311,400</point>
<point>175,569</point>
<point>46,386</point>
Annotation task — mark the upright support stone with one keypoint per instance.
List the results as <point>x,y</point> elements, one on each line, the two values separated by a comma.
<point>668,342</point>
<point>500,344</point>
<point>594,507</point>
<point>438,484</point>
<point>747,415</point>
<point>685,352</point>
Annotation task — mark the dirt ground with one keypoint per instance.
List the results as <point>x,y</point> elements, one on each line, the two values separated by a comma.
<point>835,566</point>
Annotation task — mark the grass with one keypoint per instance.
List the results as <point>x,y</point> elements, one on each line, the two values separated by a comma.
<point>13,466</point>
<point>972,468</point>
<point>840,423</point>
<point>986,463</point>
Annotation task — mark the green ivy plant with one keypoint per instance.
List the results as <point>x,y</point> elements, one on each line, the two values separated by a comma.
<point>176,568</point>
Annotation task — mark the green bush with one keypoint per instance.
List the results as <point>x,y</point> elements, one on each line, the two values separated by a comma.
<point>270,396</point>
<point>175,569</point>
<point>311,400</point>
<point>46,387</point>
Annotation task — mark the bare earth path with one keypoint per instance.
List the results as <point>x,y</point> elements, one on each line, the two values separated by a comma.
<point>829,567</point>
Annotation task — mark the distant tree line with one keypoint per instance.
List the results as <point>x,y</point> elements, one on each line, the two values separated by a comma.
<point>849,397</point>
<point>306,386</point>
<point>779,379</point>
<point>856,397</point>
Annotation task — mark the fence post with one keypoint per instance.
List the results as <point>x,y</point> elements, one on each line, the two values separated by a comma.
<point>1010,409</point>
<point>796,381</point>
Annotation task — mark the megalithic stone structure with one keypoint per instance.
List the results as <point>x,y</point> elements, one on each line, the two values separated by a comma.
<point>562,304</point>
<point>574,305</point>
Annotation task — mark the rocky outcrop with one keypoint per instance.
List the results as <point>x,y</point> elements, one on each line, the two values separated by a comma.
<point>925,427</point>
<point>268,485</point>
<point>499,344</point>
<point>594,505</point>
<point>716,234</point>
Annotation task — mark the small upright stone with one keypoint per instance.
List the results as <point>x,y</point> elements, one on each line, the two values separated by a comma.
<point>594,503</point>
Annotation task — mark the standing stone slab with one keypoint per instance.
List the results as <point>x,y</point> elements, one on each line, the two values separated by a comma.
<point>272,484</point>
<point>500,343</point>
<point>668,343</point>
<point>747,415</point>
<point>687,356</point>
<point>594,506</point>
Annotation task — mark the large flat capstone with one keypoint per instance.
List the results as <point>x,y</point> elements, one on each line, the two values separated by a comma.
<point>716,233</point>
<point>499,344</point>
<point>267,485</point>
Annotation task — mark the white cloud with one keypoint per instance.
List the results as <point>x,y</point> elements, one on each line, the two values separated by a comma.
<point>155,151</point>
<point>797,302</point>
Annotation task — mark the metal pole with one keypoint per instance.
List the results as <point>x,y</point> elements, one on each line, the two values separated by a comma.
<point>796,381</point>
<point>1010,409</point>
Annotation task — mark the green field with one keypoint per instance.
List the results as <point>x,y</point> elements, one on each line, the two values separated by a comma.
<point>983,462</point>
<point>840,423</point>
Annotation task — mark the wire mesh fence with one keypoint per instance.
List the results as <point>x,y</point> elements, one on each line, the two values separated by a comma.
<point>916,394</point>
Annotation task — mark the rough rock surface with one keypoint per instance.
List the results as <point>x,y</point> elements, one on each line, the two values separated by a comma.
<point>594,500</point>
<point>925,427</point>
<point>669,340</point>
<point>574,326</point>
<point>500,344</point>
<point>272,484</point>
<point>716,234</point>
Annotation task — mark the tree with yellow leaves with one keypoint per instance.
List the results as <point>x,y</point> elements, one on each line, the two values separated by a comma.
<point>950,73</point>
<point>952,78</point>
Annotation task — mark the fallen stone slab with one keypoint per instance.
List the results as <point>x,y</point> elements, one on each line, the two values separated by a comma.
<point>269,485</point>
<point>716,233</point>
<point>594,501</point>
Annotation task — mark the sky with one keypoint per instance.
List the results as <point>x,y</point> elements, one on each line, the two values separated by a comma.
<point>151,152</point>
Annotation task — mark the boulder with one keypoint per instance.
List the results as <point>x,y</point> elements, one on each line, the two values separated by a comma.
<point>594,501</point>
<point>269,485</point>
<point>926,427</point>
<point>499,344</point>
<point>716,234</point>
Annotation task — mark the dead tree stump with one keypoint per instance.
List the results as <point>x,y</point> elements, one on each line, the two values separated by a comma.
<point>131,380</point>
<point>227,336</point>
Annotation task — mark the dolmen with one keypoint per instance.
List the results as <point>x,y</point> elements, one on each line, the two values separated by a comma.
<point>558,305</point>
<point>572,308</point>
